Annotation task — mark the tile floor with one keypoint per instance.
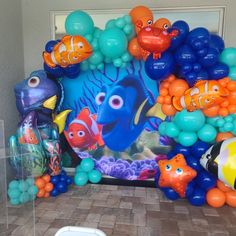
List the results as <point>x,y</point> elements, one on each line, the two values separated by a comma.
<point>122,211</point>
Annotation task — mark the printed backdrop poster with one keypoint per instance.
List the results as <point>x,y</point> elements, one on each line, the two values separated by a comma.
<point>114,120</point>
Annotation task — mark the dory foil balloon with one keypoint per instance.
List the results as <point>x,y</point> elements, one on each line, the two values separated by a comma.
<point>220,160</point>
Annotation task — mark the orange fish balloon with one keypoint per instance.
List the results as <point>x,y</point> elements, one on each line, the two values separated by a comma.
<point>69,51</point>
<point>204,94</point>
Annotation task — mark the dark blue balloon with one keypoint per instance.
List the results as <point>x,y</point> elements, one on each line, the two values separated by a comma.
<point>61,187</point>
<point>202,52</point>
<point>50,45</point>
<point>197,67</point>
<point>185,55</point>
<point>171,154</point>
<point>199,148</point>
<point>181,149</point>
<point>211,57</point>
<point>190,188</point>
<point>186,68</point>
<point>63,172</point>
<point>205,180</point>
<point>69,180</point>
<point>158,69</point>
<point>63,178</point>
<point>202,75</point>
<point>198,197</point>
<point>191,78</point>
<point>183,29</point>
<point>194,163</point>
<point>72,71</point>
<point>217,42</point>
<point>170,193</point>
<point>54,179</point>
<point>218,71</point>
<point>54,192</point>
<point>198,38</point>
<point>55,72</point>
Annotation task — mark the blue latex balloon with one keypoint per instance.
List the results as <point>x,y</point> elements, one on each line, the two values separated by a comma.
<point>198,197</point>
<point>55,72</point>
<point>201,52</point>
<point>61,187</point>
<point>170,193</point>
<point>217,42</point>
<point>54,179</point>
<point>190,188</point>
<point>185,55</point>
<point>199,148</point>
<point>63,178</point>
<point>181,149</point>
<point>205,180</point>
<point>72,71</point>
<point>218,71</point>
<point>198,38</point>
<point>211,57</point>
<point>49,45</point>
<point>194,163</point>
<point>54,192</point>
<point>202,75</point>
<point>63,172</point>
<point>69,180</point>
<point>158,69</point>
<point>183,29</point>
<point>191,78</point>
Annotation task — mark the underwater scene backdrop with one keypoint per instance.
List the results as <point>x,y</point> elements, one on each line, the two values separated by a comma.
<point>114,120</point>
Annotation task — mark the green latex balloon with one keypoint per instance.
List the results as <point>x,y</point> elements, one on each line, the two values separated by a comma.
<point>187,139</point>
<point>79,23</point>
<point>94,176</point>
<point>87,164</point>
<point>228,56</point>
<point>81,178</point>
<point>207,133</point>
<point>113,43</point>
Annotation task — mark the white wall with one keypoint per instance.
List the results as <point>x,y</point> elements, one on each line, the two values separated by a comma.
<point>36,27</point>
<point>11,61</point>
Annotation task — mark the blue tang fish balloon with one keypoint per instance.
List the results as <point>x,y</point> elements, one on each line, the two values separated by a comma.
<point>123,109</point>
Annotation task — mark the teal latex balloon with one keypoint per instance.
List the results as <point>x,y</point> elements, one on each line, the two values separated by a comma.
<point>33,190</point>
<point>81,178</point>
<point>13,184</point>
<point>162,128</point>
<point>228,56</point>
<point>232,72</point>
<point>213,120</point>
<point>187,139</point>
<point>30,181</point>
<point>128,29</point>
<point>24,197</point>
<point>189,121</point>
<point>120,22</point>
<point>100,66</point>
<point>95,176</point>
<point>15,201</point>
<point>110,24</point>
<point>207,133</point>
<point>87,164</point>
<point>172,130</point>
<point>79,23</point>
<point>228,126</point>
<point>126,57</point>
<point>113,43</point>
<point>96,58</point>
<point>84,65</point>
<point>23,186</point>
<point>13,193</point>
<point>220,122</point>
<point>117,62</point>
<point>78,169</point>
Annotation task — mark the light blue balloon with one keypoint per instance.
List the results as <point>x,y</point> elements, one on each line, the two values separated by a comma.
<point>117,62</point>
<point>187,139</point>
<point>13,184</point>
<point>79,23</point>
<point>92,67</point>
<point>189,121</point>
<point>84,65</point>
<point>228,126</point>
<point>110,24</point>
<point>232,72</point>
<point>120,22</point>
<point>97,33</point>
<point>87,164</point>
<point>78,169</point>
<point>33,190</point>
<point>89,37</point>
<point>207,133</point>
<point>24,197</point>
<point>127,18</point>
<point>229,118</point>
<point>228,56</point>
<point>162,128</point>
<point>220,122</point>
<point>113,43</point>
<point>172,130</point>
<point>94,176</point>
<point>23,186</point>
<point>96,58</point>
<point>128,29</point>
<point>126,57</point>
<point>100,66</point>
<point>14,193</point>
<point>15,201</point>
<point>95,45</point>
<point>30,181</point>
<point>81,178</point>
<point>213,120</point>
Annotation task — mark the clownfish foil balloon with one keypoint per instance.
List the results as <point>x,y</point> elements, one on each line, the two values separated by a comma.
<point>220,160</point>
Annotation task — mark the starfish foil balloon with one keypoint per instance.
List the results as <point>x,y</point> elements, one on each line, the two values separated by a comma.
<point>176,174</point>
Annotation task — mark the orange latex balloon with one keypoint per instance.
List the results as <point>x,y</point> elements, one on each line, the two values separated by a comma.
<point>168,109</point>
<point>41,193</point>
<point>162,23</point>
<point>232,109</point>
<point>223,136</point>
<point>48,187</point>
<point>231,198</point>
<point>178,87</point>
<point>46,194</point>
<point>223,111</point>
<point>215,197</point>
<point>211,111</point>
<point>222,186</point>
<point>231,85</point>
<point>134,49</point>
<point>46,178</point>
<point>40,183</point>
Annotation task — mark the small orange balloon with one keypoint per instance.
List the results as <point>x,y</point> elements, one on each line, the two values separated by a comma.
<point>232,98</point>
<point>223,136</point>
<point>178,87</point>
<point>41,192</point>
<point>211,111</point>
<point>165,84</point>
<point>222,186</point>
<point>160,99</point>
<point>46,178</point>
<point>48,187</point>
<point>215,197</point>
<point>225,103</point>
<point>134,49</point>
<point>223,111</point>
<point>46,194</point>
<point>139,12</point>
<point>162,23</point>
<point>231,85</point>
<point>224,82</point>
<point>170,78</point>
<point>168,109</point>
<point>163,92</point>
<point>40,183</point>
<point>167,99</point>
<point>232,109</point>
<point>231,198</point>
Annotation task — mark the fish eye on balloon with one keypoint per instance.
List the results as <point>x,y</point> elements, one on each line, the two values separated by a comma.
<point>215,88</point>
<point>165,26</point>
<point>81,45</point>
<point>81,133</point>
<point>116,102</point>
<point>100,98</point>
<point>33,81</point>
<point>71,135</point>
<point>179,171</point>
<point>168,167</point>
<point>208,156</point>
<point>149,22</point>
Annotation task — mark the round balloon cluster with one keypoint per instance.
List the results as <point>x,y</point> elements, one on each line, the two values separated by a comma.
<point>44,186</point>
<point>228,56</point>
<point>187,127</point>
<point>109,45</point>
<point>60,183</point>
<point>85,172</point>
<point>22,191</point>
